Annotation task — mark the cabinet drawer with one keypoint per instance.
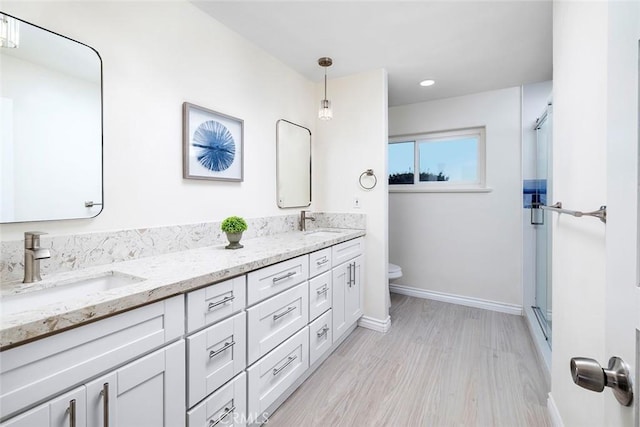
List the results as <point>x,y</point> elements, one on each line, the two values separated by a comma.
<point>319,262</point>
<point>208,305</point>
<point>276,319</point>
<point>215,355</point>
<point>345,251</point>
<point>226,407</point>
<point>320,337</point>
<point>320,293</point>
<point>276,278</point>
<point>277,371</point>
<point>38,370</point>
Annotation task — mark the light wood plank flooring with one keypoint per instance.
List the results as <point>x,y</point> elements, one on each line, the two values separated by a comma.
<point>440,365</point>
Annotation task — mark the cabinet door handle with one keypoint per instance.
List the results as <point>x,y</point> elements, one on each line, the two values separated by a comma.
<point>290,359</point>
<point>226,346</point>
<point>323,261</point>
<point>105,404</point>
<point>286,276</point>
<point>349,273</point>
<point>284,313</point>
<point>227,411</point>
<point>71,410</point>
<point>353,273</point>
<point>225,300</point>
<point>323,331</point>
<point>323,290</point>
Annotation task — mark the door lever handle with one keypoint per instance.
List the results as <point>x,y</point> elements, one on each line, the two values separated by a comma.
<point>587,373</point>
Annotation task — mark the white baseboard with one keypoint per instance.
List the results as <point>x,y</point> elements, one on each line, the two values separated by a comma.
<point>456,299</point>
<point>375,324</point>
<point>554,414</point>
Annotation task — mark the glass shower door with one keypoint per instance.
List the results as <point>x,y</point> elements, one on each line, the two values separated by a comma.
<point>543,302</point>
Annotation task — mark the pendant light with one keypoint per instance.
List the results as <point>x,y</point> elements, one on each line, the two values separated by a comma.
<point>9,32</point>
<point>325,112</point>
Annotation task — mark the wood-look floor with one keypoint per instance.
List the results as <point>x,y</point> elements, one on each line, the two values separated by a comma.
<point>439,365</point>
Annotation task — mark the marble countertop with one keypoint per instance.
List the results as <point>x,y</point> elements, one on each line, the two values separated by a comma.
<point>163,276</point>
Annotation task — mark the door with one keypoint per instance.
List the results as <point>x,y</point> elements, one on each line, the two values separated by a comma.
<point>541,219</point>
<point>353,298</point>
<point>148,392</point>
<point>622,263</point>
<point>339,281</point>
<point>596,299</point>
<point>66,410</point>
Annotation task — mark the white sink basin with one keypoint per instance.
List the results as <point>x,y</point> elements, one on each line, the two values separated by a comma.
<point>12,304</point>
<point>322,233</point>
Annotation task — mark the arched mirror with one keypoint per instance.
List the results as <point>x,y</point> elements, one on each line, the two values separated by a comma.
<point>50,125</point>
<point>293,164</point>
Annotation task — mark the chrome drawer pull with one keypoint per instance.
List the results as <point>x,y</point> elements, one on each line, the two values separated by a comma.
<point>225,300</point>
<point>226,346</point>
<point>323,262</point>
<point>227,411</point>
<point>290,359</point>
<point>323,331</point>
<point>71,410</point>
<point>323,290</point>
<point>105,404</point>
<point>286,276</point>
<point>289,310</point>
<point>353,272</point>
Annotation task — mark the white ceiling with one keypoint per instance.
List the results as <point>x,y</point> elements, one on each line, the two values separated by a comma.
<point>466,46</point>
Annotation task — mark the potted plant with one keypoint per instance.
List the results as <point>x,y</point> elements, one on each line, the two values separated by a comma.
<point>234,226</point>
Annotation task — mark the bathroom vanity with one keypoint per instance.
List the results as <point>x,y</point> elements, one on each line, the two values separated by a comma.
<point>205,337</point>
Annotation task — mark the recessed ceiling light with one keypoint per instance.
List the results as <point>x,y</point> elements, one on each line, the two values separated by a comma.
<point>427,83</point>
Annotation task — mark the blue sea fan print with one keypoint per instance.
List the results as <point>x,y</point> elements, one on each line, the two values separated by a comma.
<point>216,144</point>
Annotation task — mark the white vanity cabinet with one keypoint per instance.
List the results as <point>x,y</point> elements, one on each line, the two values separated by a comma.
<point>217,354</point>
<point>138,392</point>
<point>58,412</point>
<point>225,354</point>
<point>348,292</point>
<point>141,393</point>
<point>226,407</point>
<point>277,371</point>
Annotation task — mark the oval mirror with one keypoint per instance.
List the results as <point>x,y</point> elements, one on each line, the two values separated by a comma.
<point>50,125</point>
<point>293,167</point>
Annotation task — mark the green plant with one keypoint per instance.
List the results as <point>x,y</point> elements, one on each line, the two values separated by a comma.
<point>234,224</point>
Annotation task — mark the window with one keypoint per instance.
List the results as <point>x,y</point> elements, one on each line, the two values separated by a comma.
<point>442,161</point>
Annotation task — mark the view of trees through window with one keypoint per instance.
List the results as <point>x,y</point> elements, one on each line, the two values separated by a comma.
<point>443,157</point>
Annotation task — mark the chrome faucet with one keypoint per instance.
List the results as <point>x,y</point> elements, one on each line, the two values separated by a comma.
<point>304,218</point>
<point>33,253</point>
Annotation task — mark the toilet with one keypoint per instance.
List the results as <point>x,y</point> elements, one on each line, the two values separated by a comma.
<point>395,272</point>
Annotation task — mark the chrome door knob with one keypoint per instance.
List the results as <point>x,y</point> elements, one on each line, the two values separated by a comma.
<point>588,373</point>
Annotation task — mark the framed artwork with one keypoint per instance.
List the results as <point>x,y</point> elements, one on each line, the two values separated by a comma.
<point>212,144</point>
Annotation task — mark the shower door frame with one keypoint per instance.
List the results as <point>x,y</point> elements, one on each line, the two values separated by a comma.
<point>542,228</point>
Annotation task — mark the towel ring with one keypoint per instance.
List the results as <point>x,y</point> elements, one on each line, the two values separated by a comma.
<point>368,172</point>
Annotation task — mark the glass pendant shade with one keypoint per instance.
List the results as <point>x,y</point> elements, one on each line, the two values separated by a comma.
<point>325,112</point>
<point>9,32</point>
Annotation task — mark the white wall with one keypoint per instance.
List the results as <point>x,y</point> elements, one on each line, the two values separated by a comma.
<point>466,244</point>
<point>355,140</point>
<point>579,171</point>
<point>157,55</point>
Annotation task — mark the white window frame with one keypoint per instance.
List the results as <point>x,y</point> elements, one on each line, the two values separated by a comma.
<point>477,186</point>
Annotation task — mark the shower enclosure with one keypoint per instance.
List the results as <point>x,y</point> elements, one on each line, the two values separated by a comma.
<point>542,305</point>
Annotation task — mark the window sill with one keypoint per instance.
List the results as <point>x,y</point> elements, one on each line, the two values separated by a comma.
<point>422,189</point>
